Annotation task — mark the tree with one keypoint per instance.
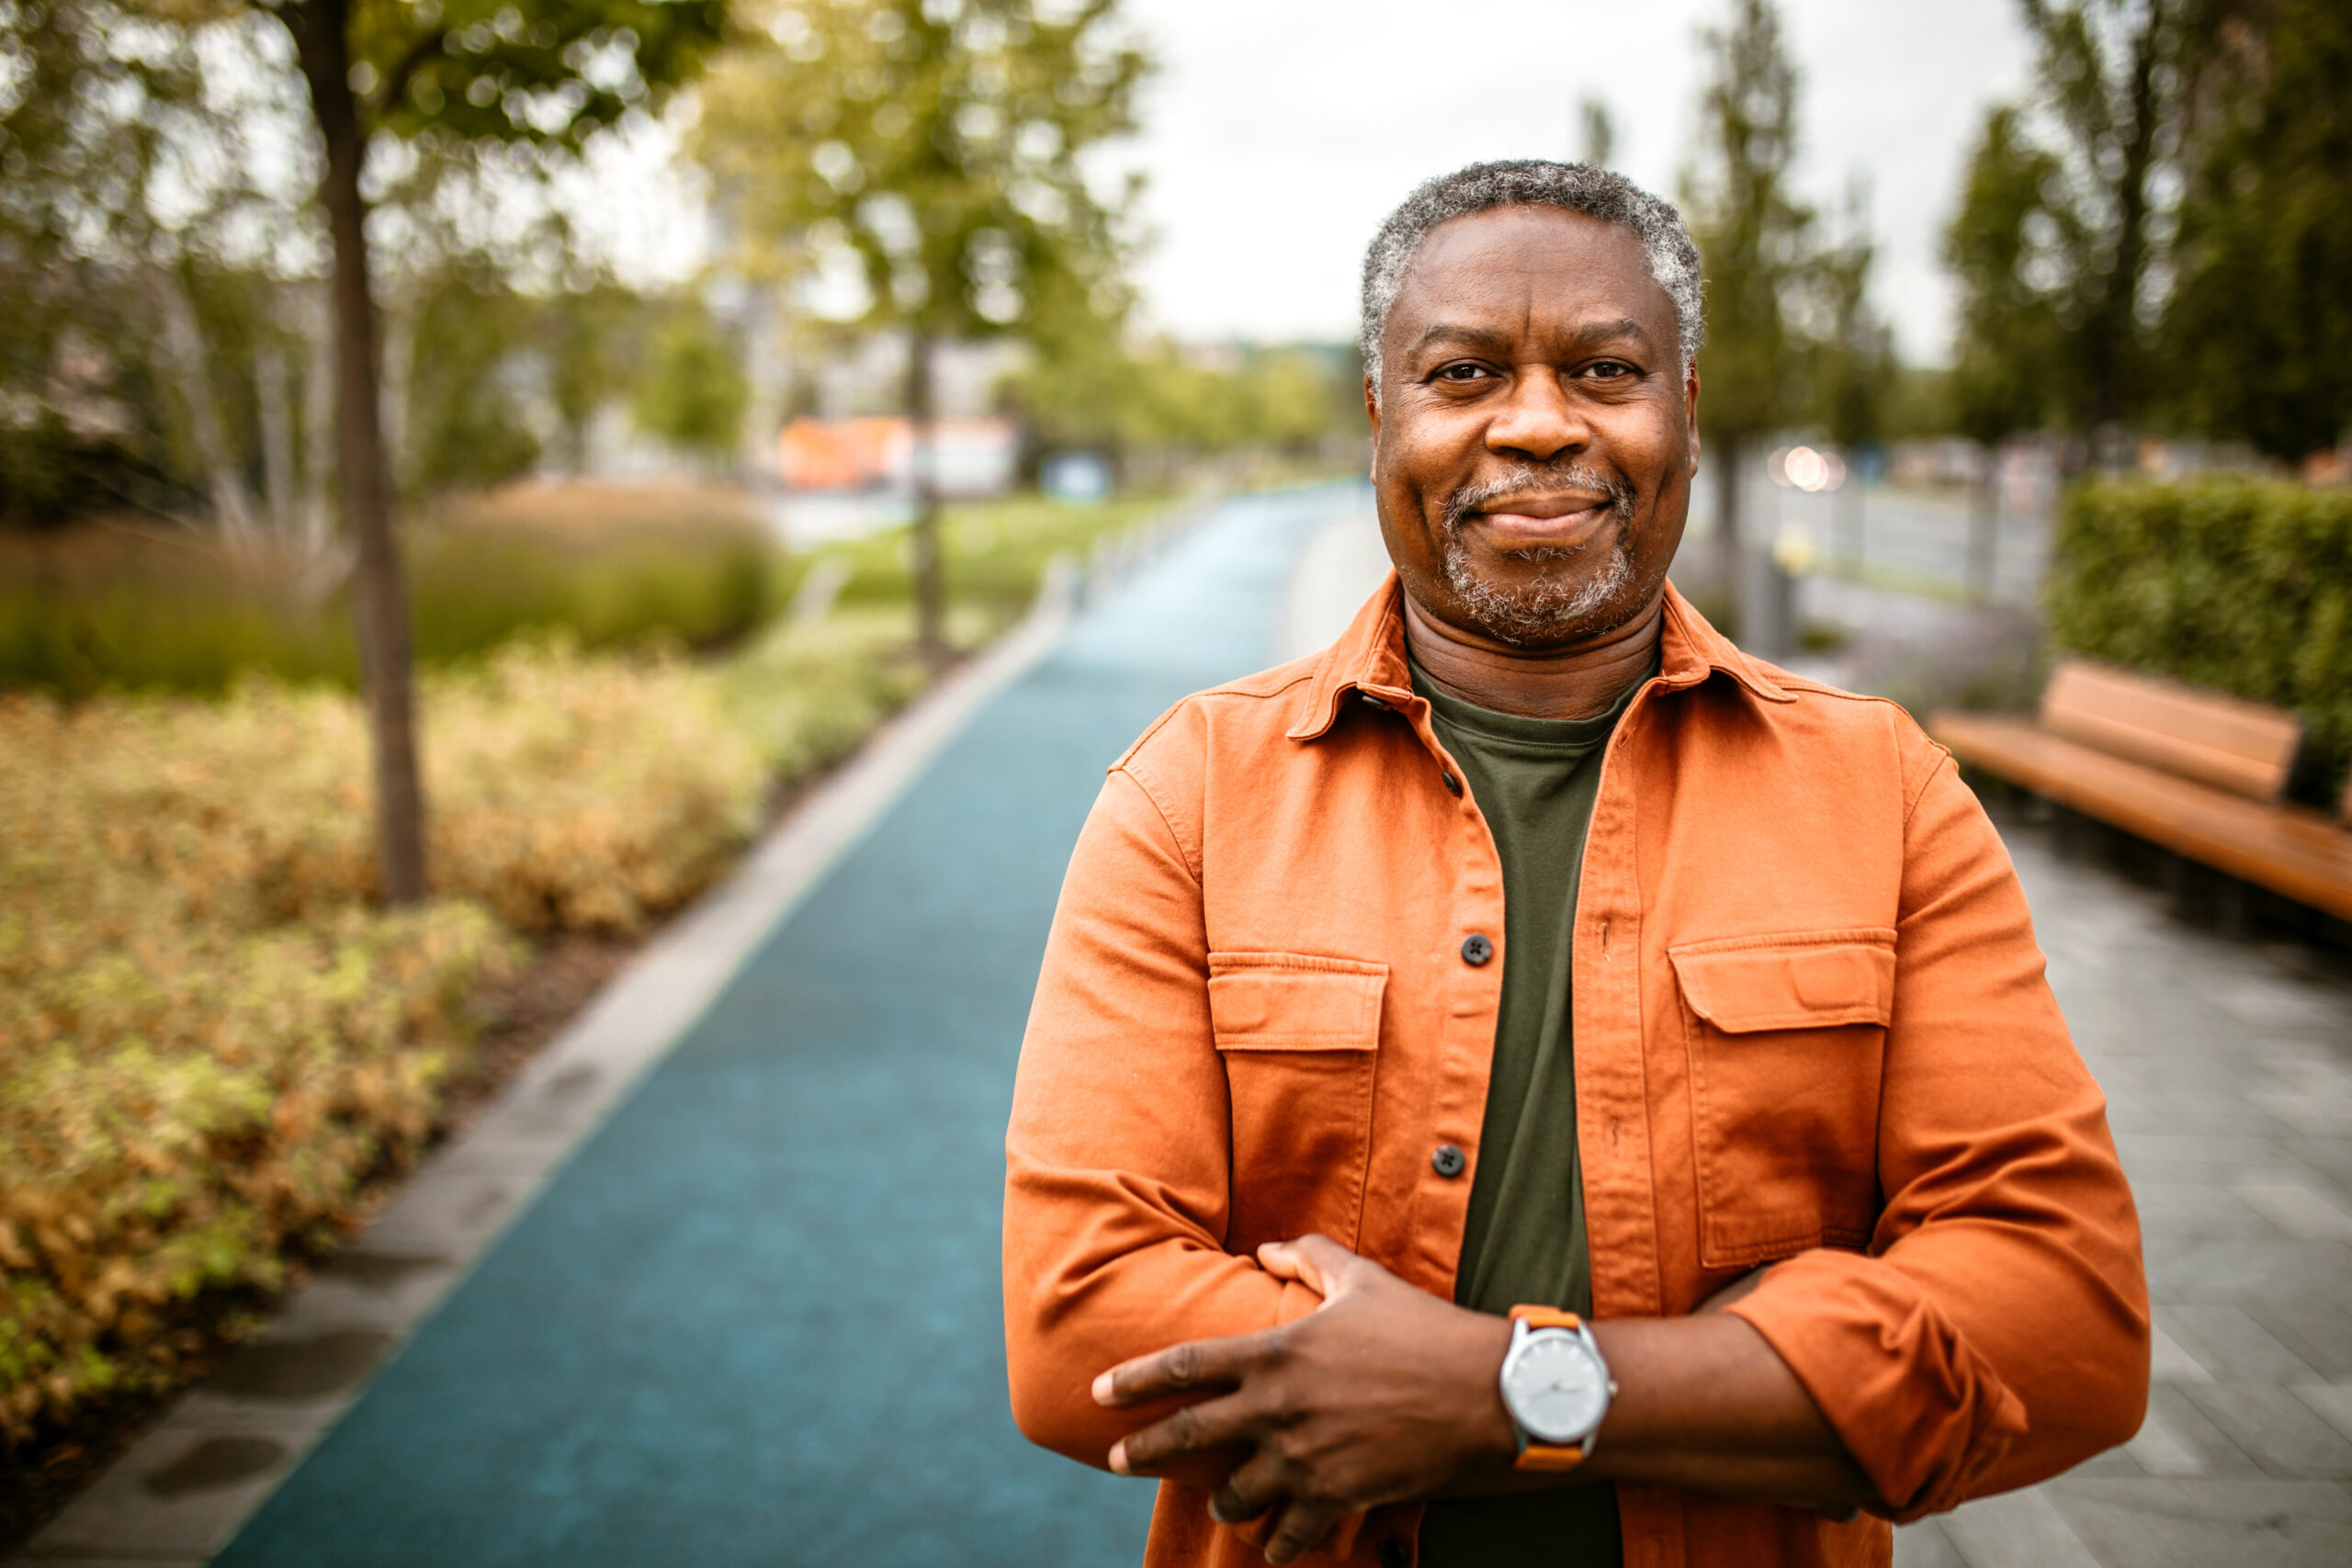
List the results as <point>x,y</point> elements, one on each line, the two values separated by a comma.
<point>2258,334</point>
<point>2006,249</point>
<point>2015,359</point>
<point>692,393</point>
<point>2116,85</point>
<point>1599,132</point>
<point>2060,241</point>
<point>1853,370</point>
<point>932,150</point>
<point>1755,241</point>
<point>134,234</point>
<point>548,72</point>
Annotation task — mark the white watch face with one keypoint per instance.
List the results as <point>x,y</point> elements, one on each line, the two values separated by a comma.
<point>1557,1387</point>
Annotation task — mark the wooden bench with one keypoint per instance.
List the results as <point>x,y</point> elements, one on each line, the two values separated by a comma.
<point>2197,771</point>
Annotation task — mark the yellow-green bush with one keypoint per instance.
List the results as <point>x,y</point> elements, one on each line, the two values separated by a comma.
<point>100,609</point>
<point>2240,584</point>
<point>210,1042</point>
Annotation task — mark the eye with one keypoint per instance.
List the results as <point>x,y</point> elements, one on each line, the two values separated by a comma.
<point>1461,372</point>
<point>1607,371</point>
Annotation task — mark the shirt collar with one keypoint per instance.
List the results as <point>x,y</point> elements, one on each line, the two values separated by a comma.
<point>1369,656</point>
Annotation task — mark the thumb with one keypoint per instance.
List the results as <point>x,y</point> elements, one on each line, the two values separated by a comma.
<point>1317,1262</point>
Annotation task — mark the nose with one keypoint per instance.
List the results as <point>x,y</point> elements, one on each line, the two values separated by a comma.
<point>1539,421</point>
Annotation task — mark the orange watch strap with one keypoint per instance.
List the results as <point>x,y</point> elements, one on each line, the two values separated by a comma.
<point>1548,1457</point>
<point>1547,1317</point>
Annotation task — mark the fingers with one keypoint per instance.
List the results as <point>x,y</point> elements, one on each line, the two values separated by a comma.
<point>1302,1529</point>
<point>1263,1486</point>
<point>1181,1368</point>
<point>1317,1262</point>
<point>1252,1490</point>
<point>1193,1429</point>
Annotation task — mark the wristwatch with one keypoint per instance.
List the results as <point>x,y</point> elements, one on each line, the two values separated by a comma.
<point>1556,1384</point>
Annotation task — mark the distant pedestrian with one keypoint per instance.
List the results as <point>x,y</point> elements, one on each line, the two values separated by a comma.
<point>1532,1084</point>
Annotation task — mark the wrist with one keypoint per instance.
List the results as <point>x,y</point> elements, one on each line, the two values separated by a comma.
<point>1490,1435</point>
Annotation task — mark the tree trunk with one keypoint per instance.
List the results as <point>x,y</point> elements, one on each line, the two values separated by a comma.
<point>183,353</point>
<point>2114,324</point>
<point>930,570</point>
<point>317,313</point>
<point>271,400</point>
<point>379,600</point>
<point>1984,528</point>
<point>398,371</point>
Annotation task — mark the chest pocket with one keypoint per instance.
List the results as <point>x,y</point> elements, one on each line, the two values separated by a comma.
<point>1299,1037</point>
<point>1787,1037</point>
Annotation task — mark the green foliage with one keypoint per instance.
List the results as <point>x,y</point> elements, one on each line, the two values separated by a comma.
<point>996,551</point>
<point>1852,371</point>
<point>2158,233</point>
<point>506,70</point>
<point>2260,322</point>
<point>1290,399</point>
<point>1755,238</point>
<point>938,145</point>
<point>2010,360</point>
<point>2237,584</point>
<point>91,612</point>
<point>213,1048</point>
<point>692,393</point>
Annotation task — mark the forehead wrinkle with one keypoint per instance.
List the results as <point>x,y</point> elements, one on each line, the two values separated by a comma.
<point>1502,341</point>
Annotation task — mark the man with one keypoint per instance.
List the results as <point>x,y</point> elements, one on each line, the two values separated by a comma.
<point>1532,1084</point>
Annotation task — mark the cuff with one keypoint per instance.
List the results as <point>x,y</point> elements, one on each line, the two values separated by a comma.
<point>1921,1412</point>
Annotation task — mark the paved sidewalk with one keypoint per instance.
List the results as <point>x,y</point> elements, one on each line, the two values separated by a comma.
<point>2228,1068</point>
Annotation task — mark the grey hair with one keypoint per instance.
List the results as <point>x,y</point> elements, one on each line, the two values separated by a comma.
<point>1533,182</point>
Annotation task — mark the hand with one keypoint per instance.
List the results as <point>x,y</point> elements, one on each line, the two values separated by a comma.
<point>1382,1393</point>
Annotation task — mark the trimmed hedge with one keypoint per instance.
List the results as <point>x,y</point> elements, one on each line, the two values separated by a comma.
<point>2244,585</point>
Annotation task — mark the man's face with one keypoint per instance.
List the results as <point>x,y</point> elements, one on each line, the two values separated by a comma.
<point>1533,436</point>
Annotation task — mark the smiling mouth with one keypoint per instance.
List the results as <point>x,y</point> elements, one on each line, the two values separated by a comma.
<point>1544,508</point>
<point>1536,504</point>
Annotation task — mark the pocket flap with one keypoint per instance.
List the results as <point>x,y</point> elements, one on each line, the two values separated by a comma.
<point>1294,1001</point>
<point>1802,981</point>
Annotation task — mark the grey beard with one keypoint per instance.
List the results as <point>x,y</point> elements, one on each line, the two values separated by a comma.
<point>1551,607</point>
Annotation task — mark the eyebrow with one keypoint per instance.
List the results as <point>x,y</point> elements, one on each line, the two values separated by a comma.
<point>1492,340</point>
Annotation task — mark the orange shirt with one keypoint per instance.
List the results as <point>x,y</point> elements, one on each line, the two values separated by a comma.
<point>1811,1029</point>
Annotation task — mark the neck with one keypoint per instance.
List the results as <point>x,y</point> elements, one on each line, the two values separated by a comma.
<point>1577,682</point>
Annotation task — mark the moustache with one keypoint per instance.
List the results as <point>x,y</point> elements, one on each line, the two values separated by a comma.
<point>1525,479</point>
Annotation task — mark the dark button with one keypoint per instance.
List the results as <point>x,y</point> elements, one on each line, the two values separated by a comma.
<point>1477,949</point>
<point>1371,702</point>
<point>1452,784</point>
<point>1448,1160</point>
<point>1395,1553</point>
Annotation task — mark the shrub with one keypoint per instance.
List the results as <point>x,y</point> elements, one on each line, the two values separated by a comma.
<point>2238,584</point>
<point>108,609</point>
<point>211,1044</point>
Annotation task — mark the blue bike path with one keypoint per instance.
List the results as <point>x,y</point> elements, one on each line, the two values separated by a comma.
<point>755,1318</point>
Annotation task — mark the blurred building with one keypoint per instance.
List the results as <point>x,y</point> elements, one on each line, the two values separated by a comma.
<point>970,457</point>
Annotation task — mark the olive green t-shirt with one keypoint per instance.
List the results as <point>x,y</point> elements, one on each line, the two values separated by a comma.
<point>1535,780</point>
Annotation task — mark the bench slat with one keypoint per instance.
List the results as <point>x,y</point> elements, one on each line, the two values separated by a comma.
<point>2288,849</point>
<point>2228,742</point>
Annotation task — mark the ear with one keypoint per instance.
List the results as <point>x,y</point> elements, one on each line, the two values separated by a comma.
<point>1372,413</point>
<point>1691,409</point>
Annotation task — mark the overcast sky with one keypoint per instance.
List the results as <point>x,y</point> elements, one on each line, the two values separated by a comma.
<point>1280,133</point>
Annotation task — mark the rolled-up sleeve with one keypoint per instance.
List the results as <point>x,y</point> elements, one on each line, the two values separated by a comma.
<point>1997,1330</point>
<point>1117,1188</point>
